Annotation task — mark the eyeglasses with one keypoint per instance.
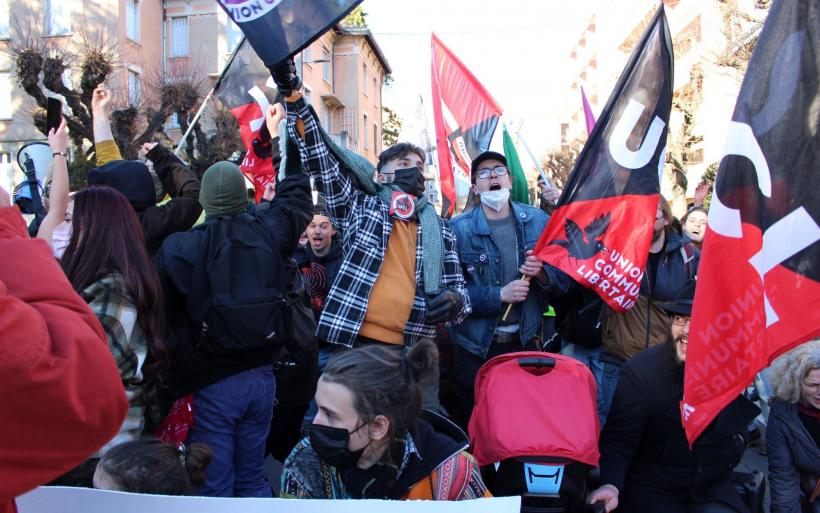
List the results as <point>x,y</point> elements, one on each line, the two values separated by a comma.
<point>658,217</point>
<point>491,171</point>
<point>679,320</point>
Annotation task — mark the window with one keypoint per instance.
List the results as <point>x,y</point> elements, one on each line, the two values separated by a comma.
<point>364,79</point>
<point>6,171</point>
<point>364,132</point>
<point>132,19</point>
<point>179,37</point>
<point>564,133</point>
<point>308,96</point>
<point>134,87</point>
<point>298,61</point>
<point>234,35</point>
<point>307,55</point>
<point>326,65</point>
<point>375,137</point>
<point>5,95</point>
<point>326,120</point>
<point>58,17</point>
<point>173,122</point>
<point>375,88</point>
<point>4,20</point>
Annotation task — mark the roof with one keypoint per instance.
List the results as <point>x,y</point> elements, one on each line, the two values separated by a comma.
<point>365,32</point>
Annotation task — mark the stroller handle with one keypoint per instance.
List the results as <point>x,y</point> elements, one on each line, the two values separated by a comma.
<point>538,363</point>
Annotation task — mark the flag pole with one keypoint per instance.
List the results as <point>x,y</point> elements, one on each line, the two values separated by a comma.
<point>182,141</point>
<point>198,114</point>
<point>534,160</point>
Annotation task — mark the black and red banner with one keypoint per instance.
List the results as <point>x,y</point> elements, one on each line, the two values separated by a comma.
<point>278,29</point>
<point>465,116</point>
<point>602,228</point>
<point>759,277</point>
<point>246,89</point>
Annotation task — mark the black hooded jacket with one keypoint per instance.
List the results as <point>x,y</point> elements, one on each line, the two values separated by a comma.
<point>644,451</point>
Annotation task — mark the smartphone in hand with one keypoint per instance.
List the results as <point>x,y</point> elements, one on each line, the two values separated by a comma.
<point>54,113</point>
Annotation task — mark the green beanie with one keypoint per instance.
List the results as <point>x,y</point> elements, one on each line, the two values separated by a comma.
<point>223,190</point>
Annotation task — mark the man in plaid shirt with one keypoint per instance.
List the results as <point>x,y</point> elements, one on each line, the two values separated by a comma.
<point>400,273</point>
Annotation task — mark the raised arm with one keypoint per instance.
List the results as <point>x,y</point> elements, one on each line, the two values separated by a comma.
<point>104,146</point>
<point>58,200</point>
<point>323,166</point>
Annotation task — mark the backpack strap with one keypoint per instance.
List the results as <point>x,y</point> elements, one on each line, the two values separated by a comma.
<point>688,254</point>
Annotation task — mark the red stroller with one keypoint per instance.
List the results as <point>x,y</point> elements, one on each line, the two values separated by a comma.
<point>535,420</point>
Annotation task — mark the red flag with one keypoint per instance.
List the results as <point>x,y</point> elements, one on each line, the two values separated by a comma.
<point>759,278</point>
<point>602,228</point>
<point>246,89</point>
<point>470,107</point>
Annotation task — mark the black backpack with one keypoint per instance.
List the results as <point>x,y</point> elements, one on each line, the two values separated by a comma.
<point>239,288</point>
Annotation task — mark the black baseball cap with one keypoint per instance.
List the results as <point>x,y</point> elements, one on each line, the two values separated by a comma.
<point>487,155</point>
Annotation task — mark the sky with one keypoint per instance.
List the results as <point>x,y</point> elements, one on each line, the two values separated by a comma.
<point>516,48</point>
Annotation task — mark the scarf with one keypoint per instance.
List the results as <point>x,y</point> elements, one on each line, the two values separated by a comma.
<point>361,172</point>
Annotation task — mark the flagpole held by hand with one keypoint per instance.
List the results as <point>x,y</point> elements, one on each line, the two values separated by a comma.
<point>509,306</point>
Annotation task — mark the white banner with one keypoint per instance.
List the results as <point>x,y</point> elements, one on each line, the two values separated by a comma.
<point>57,499</point>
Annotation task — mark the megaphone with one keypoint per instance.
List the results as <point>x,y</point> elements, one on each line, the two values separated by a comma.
<point>40,155</point>
<point>35,160</point>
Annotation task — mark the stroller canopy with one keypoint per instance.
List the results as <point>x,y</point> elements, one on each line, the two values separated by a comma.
<point>532,411</point>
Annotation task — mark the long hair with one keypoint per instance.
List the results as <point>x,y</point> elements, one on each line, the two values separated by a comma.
<point>106,238</point>
<point>385,382</point>
<point>788,372</point>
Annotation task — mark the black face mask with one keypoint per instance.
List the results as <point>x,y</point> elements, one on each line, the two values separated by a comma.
<point>331,445</point>
<point>410,180</point>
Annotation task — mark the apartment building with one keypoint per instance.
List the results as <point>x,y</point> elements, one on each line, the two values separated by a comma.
<point>343,71</point>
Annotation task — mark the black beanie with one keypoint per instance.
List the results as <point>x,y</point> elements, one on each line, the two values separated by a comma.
<point>130,177</point>
<point>481,157</point>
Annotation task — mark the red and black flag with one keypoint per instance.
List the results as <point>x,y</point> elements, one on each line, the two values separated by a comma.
<point>277,29</point>
<point>465,116</point>
<point>759,278</point>
<point>246,89</point>
<point>601,231</point>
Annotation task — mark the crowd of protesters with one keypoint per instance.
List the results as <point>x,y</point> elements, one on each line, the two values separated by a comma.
<point>325,354</point>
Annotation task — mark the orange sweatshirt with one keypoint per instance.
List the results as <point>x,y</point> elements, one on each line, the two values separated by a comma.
<point>393,293</point>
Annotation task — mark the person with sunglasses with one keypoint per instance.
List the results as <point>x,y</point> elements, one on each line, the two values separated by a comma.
<point>495,242</point>
<point>646,463</point>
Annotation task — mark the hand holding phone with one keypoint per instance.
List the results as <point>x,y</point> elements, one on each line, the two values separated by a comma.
<point>54,114</point>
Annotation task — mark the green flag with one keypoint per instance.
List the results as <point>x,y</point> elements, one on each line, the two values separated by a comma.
<point>519,180</point>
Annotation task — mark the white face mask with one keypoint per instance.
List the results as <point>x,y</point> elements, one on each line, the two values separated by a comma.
<point>59,239</point>
<point>495,199</point>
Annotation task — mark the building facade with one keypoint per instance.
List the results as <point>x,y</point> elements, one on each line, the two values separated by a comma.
<point>343,71</point>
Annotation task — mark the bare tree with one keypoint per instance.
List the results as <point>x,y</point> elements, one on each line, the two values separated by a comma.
<point>741,30</point>
<point>558,164</point>
<point>41,65</point>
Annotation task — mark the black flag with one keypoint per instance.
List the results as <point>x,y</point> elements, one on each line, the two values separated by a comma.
<point>277,29</point>
<point>759,278</point>
<point>601,231</point>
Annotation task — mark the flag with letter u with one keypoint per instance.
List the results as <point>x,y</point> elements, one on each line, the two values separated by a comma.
<point>277,29</point>
<point>602,228</point>
<point>759,278</point>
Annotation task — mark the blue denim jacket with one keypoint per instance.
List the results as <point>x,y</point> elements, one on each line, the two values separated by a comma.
<point>481,265</point>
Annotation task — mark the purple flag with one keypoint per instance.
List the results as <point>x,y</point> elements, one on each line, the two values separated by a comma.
<point>588,115</point>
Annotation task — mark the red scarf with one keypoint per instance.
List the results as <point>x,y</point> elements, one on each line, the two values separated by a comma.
<point>809,411</point>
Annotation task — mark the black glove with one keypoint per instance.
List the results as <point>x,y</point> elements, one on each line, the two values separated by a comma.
<point>443,306</point>
<point>285,77</point>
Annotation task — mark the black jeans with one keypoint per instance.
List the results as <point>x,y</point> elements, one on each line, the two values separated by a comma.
<point>466,368</point>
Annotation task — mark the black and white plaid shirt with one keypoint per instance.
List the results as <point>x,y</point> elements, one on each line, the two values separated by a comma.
<point>365,223</point>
